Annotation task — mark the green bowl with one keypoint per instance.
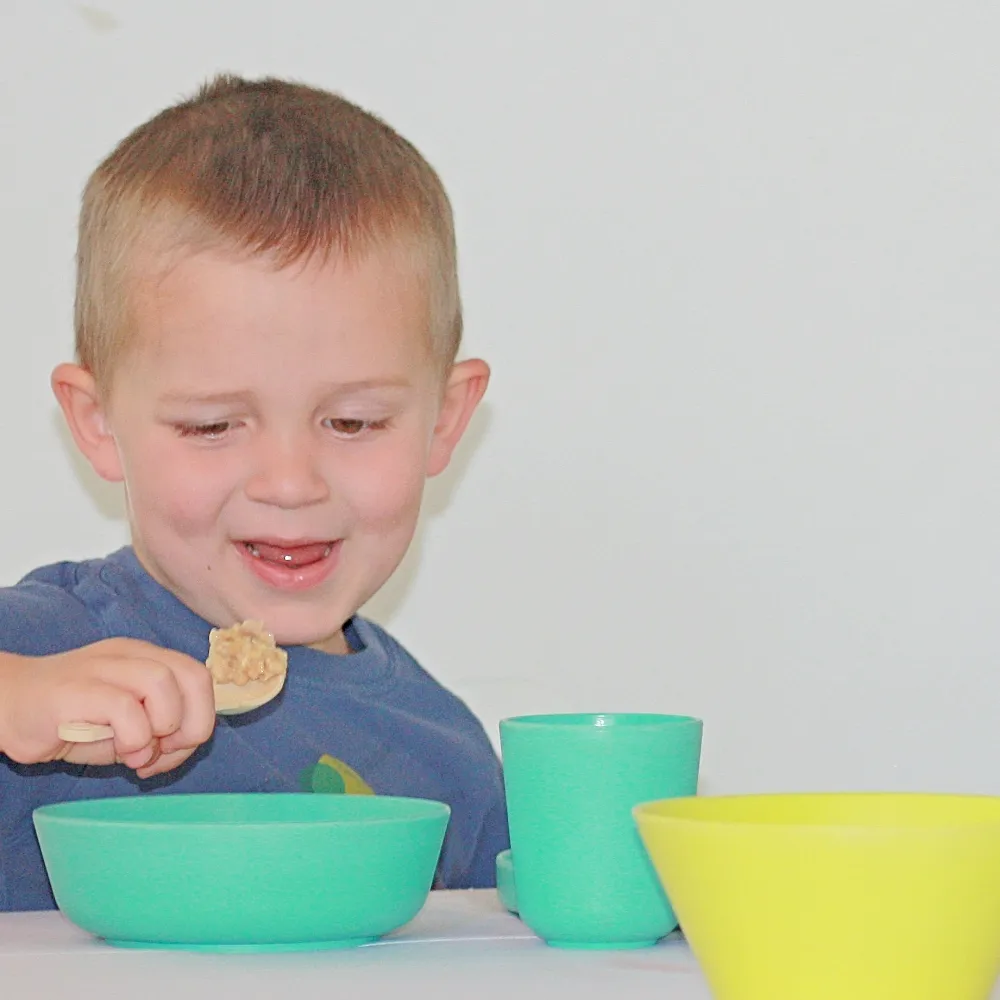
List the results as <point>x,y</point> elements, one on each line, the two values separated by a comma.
<point>250,872</point>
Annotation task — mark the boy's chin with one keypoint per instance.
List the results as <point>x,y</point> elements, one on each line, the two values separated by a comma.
<point>335,643</point>
<point>291,629</point>
<point>323,639</point>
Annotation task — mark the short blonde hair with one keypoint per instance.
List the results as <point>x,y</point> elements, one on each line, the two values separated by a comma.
<point>265,166</point>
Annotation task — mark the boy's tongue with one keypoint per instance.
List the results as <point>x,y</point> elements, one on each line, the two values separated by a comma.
<point>293,556</point>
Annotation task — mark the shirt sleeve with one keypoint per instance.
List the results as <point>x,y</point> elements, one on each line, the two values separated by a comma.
<point>41,618</point>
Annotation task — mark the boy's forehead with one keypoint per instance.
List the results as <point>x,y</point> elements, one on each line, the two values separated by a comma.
<point>211,270</point>
<point>191,301</point>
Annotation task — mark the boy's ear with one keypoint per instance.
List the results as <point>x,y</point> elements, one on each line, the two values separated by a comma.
<point>463,390</point>
<point>80,401</point>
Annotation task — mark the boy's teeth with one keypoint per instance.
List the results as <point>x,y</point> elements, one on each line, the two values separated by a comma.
<point>299,555</point>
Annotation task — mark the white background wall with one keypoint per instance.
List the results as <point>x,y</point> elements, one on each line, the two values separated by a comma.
<point>735,266</point>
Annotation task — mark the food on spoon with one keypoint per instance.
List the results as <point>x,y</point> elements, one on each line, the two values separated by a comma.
<point>244,653</point>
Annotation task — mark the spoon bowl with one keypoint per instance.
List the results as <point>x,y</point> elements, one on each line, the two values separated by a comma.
<point>235,699</point>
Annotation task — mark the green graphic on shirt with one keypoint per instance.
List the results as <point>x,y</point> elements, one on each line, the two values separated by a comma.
<point>333,777</point>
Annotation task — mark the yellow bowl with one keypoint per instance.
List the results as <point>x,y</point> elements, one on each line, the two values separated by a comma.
<point>834,896</point>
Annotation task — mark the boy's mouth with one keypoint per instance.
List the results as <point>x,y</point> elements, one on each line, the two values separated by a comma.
<point>289,555</point>
<point>290,565</point>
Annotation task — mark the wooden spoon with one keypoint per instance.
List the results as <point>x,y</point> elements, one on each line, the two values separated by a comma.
<point>230,699</point>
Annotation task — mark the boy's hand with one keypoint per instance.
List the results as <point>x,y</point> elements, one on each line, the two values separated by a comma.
<point>159,703</point>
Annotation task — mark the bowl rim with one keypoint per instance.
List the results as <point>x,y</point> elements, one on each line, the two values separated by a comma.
<point>426,810</point>
<point>650,812</point>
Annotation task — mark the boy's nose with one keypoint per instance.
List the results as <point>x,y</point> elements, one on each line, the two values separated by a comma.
<point>286,474</point>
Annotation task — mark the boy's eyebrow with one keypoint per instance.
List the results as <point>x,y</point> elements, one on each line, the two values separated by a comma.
<point>329,389</point>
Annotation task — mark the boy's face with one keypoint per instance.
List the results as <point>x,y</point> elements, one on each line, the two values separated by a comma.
<point>274,429</point>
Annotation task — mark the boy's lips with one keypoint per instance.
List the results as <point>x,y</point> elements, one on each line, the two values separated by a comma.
<point>291,554</point>
<point>288,565</point>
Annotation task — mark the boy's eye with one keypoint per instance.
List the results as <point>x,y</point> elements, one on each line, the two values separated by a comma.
<point>210,431</point>
<point>349,427</point>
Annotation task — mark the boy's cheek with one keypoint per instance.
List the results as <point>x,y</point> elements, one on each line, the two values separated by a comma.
<point>185,499</point>
<point>389,492</point>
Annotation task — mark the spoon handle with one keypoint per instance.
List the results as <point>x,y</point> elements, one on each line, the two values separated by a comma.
<point>230,699</point>
<point>84,732</point>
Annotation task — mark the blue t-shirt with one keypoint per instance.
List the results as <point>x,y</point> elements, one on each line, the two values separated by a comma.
<point>372,720</point>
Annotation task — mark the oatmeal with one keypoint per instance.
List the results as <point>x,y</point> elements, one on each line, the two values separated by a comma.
<point>244,653</point>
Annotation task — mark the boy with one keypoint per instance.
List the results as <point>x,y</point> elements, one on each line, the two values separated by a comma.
<point>267,322</point>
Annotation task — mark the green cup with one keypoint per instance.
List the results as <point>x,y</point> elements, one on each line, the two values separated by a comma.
<point>584,879</point>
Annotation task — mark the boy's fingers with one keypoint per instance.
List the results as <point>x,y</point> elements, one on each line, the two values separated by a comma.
<point>103,754</point>
<point>110,705</point>
<point>198,696</point>
<point>176,692</point>
<point>154,685</point>
<point>164,762</point>
<point>141,759</point>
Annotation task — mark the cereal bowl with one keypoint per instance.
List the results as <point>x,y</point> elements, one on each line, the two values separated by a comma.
<point>241,871</point>
<point>833,896</point>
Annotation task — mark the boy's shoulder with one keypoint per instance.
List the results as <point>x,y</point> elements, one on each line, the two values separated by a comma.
<point>60,606</point>
<point>413,688</point>
<point>375,643</point>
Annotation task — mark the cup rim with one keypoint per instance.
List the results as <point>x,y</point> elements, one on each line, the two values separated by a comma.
<point>596,721</point>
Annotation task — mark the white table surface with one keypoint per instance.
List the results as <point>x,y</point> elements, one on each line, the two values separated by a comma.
<point>462,944</point>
